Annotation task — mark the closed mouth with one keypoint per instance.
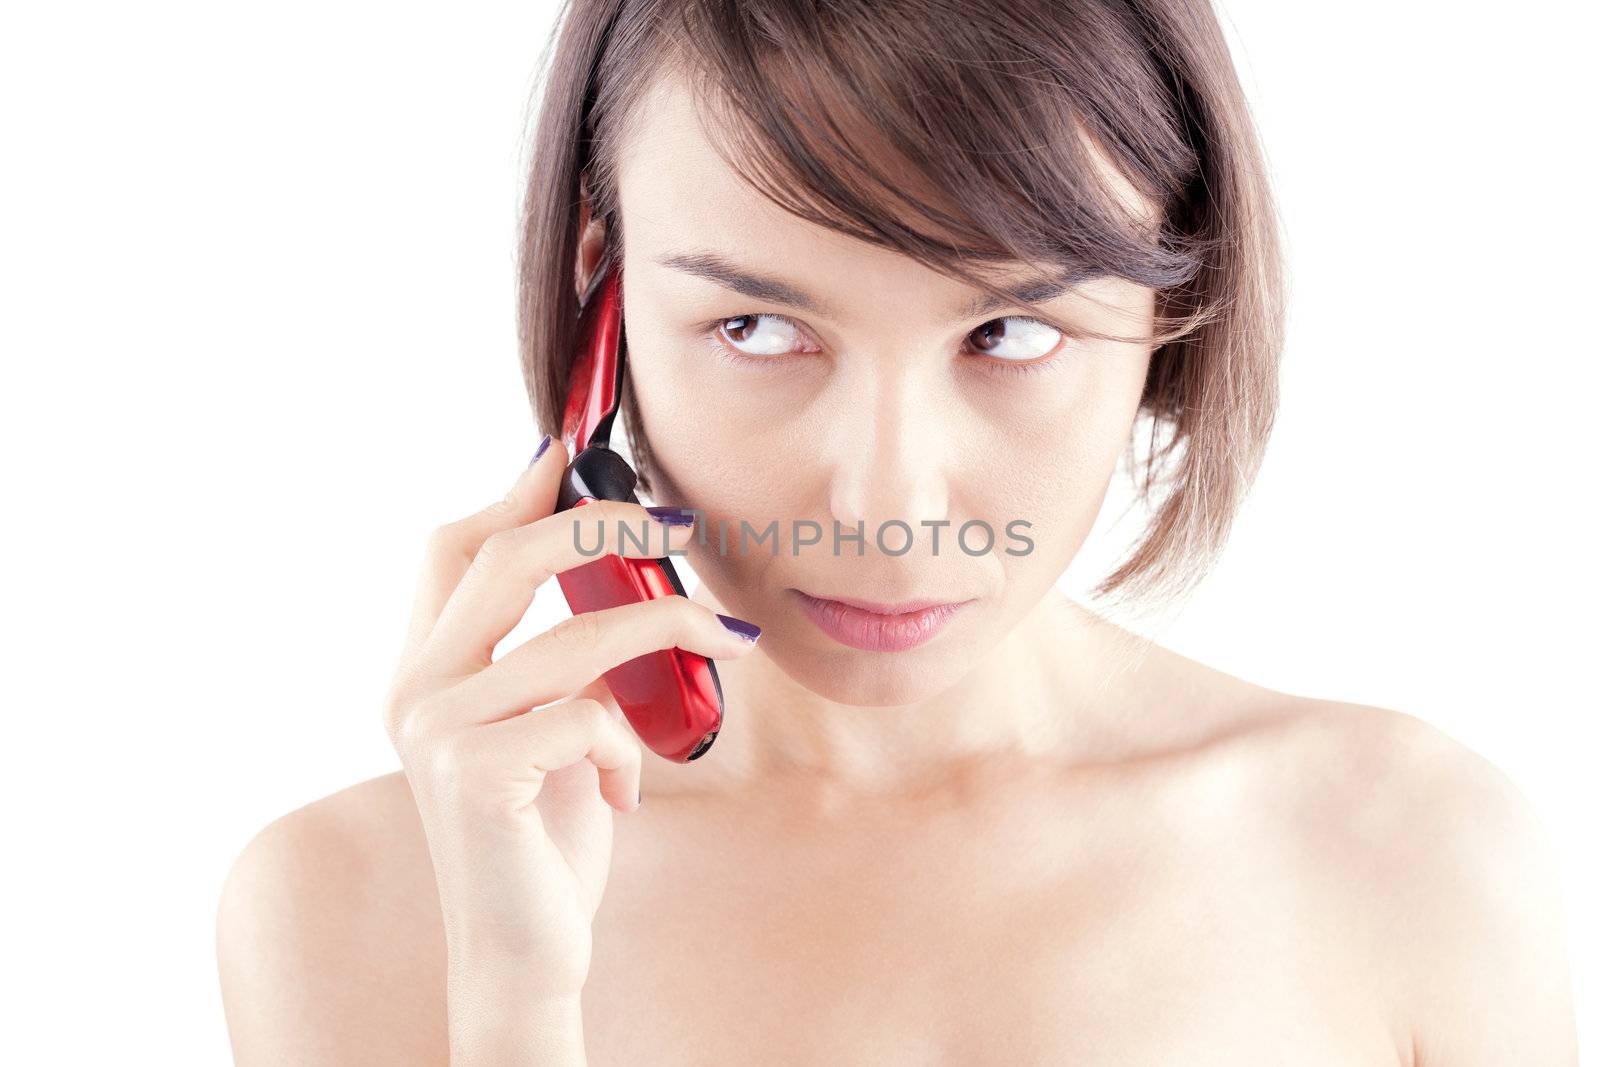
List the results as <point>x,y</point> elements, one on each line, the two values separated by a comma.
<point>877,626</point>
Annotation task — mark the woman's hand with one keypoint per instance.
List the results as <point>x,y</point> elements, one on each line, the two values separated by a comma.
<point>513,801</point>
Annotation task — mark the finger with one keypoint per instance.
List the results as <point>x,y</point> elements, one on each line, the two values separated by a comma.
<point>527,747</point>
<point>453,546</point>
<point>497,588</point>
<point>597,689</point>
<point>571,654</point>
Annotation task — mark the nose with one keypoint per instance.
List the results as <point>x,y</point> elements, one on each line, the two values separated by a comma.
<point>889,450</point>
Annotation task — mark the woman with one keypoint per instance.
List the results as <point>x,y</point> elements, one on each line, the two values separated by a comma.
<point>929,263</point>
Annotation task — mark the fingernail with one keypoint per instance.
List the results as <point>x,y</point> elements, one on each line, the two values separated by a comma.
<point>540,450</point>
<point>747,630</point>
<point>641,797</point>
<point>673,516</point>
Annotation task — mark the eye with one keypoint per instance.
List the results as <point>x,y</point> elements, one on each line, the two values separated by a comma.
<point>1016,339</point>
<point>758,336</point>
<point>1015,344</point>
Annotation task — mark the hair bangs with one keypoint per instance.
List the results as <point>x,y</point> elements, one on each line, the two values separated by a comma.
<point>873,127</point>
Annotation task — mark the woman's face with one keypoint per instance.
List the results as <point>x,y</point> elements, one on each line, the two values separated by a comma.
<point>860,388</point>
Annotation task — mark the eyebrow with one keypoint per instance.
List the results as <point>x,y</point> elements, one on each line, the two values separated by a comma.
<point>718,269</point>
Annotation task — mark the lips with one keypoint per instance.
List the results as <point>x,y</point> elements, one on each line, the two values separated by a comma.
<point>878,627</point>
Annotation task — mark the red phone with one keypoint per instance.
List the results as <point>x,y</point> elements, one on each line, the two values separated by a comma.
<point>672,697</point>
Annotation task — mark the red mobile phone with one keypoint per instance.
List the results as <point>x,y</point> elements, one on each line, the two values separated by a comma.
<point>671,697</point>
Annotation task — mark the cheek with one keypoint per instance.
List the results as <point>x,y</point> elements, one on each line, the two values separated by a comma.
<point>712,447</point>
<point>1053,459</point>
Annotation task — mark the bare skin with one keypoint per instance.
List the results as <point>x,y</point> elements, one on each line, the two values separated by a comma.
<point>1029,841</point>
<point>1245,877</point>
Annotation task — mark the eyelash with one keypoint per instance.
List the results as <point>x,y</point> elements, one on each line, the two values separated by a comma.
<point>710,333</point>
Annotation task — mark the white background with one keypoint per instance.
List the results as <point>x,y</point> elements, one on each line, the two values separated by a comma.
<point>258,340</point>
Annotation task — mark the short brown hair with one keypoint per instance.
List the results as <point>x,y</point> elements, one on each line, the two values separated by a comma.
<point>993,106</point>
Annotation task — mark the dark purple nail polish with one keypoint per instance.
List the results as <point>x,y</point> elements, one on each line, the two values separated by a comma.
<point>672,516</point>
<point>540,450</point>
<point>747,630</point>
<point>641,797</point>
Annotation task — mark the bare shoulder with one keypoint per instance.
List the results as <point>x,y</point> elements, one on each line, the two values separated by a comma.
<point>329,942</point>
<point>1437,871</point>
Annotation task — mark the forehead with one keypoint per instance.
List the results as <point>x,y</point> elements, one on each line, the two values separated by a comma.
<point>672,181</point>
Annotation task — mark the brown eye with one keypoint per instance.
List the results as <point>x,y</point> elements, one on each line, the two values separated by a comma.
<point>1015,338</point>
<point>755,335</point>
